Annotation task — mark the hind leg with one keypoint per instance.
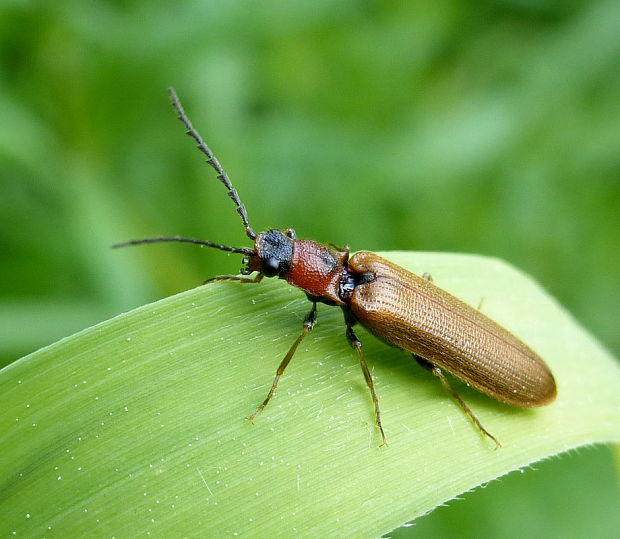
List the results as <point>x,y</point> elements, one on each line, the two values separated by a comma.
<point>444,382</point>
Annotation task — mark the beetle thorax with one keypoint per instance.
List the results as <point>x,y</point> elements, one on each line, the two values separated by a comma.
<point>317,269</point>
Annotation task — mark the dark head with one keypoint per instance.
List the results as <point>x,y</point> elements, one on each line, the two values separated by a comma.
<point>273,253</point>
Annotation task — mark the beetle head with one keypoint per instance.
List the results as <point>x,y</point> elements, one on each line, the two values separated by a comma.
<point>273,253</point>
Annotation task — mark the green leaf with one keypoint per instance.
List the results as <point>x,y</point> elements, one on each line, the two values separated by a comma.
<point>137,425</point>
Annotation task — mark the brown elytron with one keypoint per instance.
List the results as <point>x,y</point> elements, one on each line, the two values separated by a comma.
<point>407,311</point>
<point>413,314</point>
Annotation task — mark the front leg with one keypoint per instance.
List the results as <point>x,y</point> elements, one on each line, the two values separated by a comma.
<point>309,322</point>
<point>256,279</point>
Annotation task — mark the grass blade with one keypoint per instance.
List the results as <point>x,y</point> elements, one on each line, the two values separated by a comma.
<point>137,425</point>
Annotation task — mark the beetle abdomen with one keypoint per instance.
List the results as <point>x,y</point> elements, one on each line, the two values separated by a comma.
<point>413,314</point>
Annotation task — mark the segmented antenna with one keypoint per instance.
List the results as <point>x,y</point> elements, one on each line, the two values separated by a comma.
<point>240,250</point>
<point>212,160</point>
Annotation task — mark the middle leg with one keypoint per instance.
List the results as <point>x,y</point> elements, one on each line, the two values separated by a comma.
<point>357,345</point>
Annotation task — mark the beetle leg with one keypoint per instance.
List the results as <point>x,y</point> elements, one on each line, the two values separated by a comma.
<point>444,382</point>
<point>309,322</point>
<point>256,279</point>
<point>357,345</point>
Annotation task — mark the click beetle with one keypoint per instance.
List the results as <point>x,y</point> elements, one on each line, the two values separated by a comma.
<point>402,309</point>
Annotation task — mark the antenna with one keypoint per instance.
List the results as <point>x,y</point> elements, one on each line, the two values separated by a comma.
<point>213,162</point>
<point>241,250</point>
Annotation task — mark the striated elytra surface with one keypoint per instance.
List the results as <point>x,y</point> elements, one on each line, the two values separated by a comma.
<point>414,314</point>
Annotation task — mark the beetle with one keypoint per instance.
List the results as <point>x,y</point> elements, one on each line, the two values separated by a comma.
<point>404,310</point>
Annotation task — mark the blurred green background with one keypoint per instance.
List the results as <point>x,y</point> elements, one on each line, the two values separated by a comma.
<point>489,127</point>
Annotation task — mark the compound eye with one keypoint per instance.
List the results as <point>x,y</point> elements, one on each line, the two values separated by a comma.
<point>270,267</point>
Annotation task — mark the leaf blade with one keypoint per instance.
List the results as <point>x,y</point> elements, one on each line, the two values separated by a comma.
<point>137,424</point>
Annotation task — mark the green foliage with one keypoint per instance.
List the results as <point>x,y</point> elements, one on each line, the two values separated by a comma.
<point>487,128</point>
<point>135,426</point>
